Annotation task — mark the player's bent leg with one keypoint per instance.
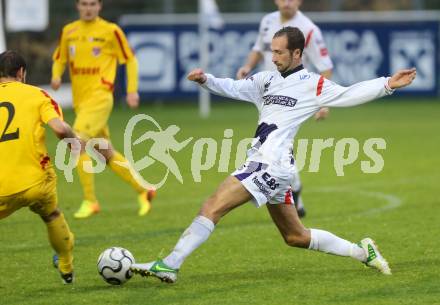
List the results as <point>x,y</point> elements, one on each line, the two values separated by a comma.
<point>290,226</point>
<point>229,195</point>
<point>61,240</point>
<point>296,235</point>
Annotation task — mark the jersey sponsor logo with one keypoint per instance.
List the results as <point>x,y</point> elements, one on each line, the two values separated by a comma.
<point>83,70</point>
<point>270,181</point>
<point>280,100</point>
<point>304,76</point>
<point>261,187</point>
<point>97,39</point>
<point>96,51</point>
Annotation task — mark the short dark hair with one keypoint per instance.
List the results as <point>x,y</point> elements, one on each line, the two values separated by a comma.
<point>10,63</point>
<point>295,38</point>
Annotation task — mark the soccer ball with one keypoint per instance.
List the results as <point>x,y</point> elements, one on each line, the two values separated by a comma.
<point>114,265</point>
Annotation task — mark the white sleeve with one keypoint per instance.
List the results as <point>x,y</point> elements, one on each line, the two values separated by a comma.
<point>259,44</point>
<point>316,51</point>
<point>249,89</point>
<point>330,94</point>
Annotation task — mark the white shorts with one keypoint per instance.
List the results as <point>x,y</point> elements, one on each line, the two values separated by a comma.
<point>266,183</point>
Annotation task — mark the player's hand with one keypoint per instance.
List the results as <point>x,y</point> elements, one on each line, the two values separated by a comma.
<point>197,75</point>
<point>76,146</point>
<point>133,100</point>
<point>55,84</point>
<point>402,78</point>
<point>243,72</point>
<point>322,114</point>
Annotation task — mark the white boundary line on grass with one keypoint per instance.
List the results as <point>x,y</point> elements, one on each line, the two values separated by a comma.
<point>392,200</point>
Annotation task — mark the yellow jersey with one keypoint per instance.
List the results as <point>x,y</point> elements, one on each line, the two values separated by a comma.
<point>24,109</point>
<point>92,51</point>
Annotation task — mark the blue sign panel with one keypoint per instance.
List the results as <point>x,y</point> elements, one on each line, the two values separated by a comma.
<point>360,51</point>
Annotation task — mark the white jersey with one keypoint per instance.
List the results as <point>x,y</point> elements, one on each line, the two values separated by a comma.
<point>315,51</point>
<point>284,103</point>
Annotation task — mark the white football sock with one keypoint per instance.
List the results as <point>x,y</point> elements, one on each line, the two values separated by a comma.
<point>329,243</point>
<point>196,234</point>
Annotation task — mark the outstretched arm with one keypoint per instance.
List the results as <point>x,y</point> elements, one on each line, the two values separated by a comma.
<point>248,89</point>
<point>332,95</point>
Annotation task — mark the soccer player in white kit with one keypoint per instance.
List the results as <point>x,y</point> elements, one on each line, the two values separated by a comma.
<point>285,99</point>
<point>315,55</point>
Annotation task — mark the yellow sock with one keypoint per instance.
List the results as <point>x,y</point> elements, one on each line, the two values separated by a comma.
<point>123,172</point>
<point>87,179</point>
<point>62,241</point>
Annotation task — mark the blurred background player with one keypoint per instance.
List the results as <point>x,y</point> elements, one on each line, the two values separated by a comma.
<point>92,47</point>
<point>27,178</point>
<point>315,57</point>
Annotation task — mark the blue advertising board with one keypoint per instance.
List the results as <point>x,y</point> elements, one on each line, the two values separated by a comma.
<point>362,51</point>
<point>359,50</point>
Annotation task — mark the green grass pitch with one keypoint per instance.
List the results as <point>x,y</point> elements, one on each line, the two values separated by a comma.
<point>245,261</point>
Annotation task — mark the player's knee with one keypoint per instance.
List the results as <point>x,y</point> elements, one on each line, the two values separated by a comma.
<point>213,208</point>
<point>52,216</point>
<point>299,240</point>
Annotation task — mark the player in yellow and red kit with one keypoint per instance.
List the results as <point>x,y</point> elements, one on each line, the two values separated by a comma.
<point>92,47</point>
<point>27,178</point>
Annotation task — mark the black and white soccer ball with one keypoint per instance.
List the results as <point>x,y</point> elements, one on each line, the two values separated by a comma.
<point>114,265</point>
